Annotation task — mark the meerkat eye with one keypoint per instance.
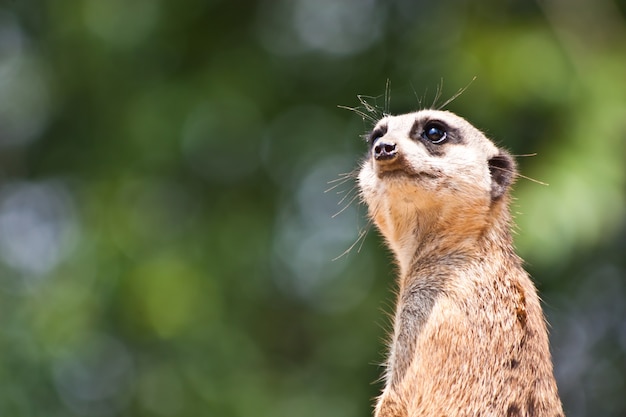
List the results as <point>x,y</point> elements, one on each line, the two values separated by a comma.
<point>434,133</point>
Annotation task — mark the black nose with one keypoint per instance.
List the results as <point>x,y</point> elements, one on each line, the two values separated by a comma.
<point>384,149</point>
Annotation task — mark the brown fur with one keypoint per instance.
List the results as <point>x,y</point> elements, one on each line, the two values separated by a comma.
<point>469,334</point>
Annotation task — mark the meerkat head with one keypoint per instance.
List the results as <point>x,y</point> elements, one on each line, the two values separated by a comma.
<point>431,162</point>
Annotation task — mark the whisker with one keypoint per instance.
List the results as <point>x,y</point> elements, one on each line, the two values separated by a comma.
<point>362,99</point>
<point>366,230</point>
<point>387,97</point>
<point>533,180</point>
<point>342,176</point>
<point>452,162</point>
<point>418,98</point>
<point>438,93</point>
<point>525,155</point>
<point>457,94</point>
<point>344,180</point>
<point>517,174</point>
<point>364,115</point>
<point>345,196</point>
<point>362,234</point>
<point>423,100</point>
<point>345,207</point>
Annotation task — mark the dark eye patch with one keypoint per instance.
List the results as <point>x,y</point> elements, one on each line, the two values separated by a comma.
<point>378,132</point>
<point>433,134</point>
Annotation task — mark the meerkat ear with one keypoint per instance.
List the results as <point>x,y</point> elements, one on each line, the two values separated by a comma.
<point>503,169</point>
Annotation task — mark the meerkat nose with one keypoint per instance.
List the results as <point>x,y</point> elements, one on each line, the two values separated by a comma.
<point>385,149</point>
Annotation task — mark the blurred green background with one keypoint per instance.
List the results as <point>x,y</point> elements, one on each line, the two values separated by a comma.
<point>166,244</point>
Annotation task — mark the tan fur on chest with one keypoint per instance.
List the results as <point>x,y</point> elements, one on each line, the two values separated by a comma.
<point>469,337</point>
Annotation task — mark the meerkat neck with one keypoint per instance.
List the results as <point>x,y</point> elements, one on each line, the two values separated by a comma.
<point>454,237</point>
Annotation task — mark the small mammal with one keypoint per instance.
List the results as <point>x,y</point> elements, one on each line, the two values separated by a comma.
<point>469,335</point>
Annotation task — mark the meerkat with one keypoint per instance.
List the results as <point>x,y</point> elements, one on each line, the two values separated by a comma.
<point>469,336</point>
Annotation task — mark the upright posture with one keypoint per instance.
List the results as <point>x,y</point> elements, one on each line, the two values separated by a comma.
<point>469,336</point>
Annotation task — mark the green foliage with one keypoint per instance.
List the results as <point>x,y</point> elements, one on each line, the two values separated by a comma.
<point>166,244</point>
